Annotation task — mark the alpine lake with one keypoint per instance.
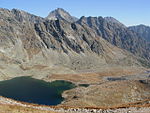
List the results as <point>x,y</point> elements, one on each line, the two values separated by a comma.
<point>35,91</point>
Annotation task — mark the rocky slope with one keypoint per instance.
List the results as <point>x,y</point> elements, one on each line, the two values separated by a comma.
<point>118,34</point>
<point>30,45</point>
<point>142,30</point>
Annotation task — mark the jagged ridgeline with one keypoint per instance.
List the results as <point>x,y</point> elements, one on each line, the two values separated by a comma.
<point>65,44</point>
<point>142,30</point>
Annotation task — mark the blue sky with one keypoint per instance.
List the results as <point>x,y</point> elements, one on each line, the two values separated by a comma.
<point>129,12</point>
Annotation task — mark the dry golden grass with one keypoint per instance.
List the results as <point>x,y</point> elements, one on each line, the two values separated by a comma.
<point>18,109</point>
<point>93,78</point>
<point>78,78</point>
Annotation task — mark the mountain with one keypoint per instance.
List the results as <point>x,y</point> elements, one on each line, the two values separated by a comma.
<point>142,30</point>
<point>118,34</point>
<point>61,14</point>
<point>30,45</point>
<point>113,20</point>
<point>106,61</point>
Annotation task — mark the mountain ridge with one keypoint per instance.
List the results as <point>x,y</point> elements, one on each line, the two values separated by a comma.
<point>118,35</point>
<point>142,30</point>
<point>29,42</point>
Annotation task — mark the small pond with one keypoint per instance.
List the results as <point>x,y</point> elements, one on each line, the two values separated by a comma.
<point>36,91</point>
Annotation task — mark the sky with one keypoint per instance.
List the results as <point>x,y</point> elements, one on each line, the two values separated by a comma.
<point>129,12</point>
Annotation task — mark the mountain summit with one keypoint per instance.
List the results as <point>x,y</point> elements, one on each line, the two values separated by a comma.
<point>60,13</point>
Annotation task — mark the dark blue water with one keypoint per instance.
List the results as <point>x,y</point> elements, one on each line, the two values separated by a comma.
<point>31,90</point>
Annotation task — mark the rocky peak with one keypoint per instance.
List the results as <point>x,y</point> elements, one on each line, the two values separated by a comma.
<point>60,13</point>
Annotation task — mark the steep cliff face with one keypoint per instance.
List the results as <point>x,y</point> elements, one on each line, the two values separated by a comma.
<point>30,45</point>
<point>142,30</point>
<point>117,34</point>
